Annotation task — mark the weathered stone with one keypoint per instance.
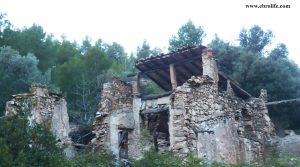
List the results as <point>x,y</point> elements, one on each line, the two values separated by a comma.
<point>178,112</point>
<point>263,95</point>
<point>126,120</point>
<point>47,108</point>
<point>179,134</point>
<point>179,139</point>
<point>215,123</point>
<point>209,65</point>
<point>180,145</point>
<point>184,150</point>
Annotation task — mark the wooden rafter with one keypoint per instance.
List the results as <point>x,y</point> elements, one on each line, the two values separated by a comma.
<point>282,101</point>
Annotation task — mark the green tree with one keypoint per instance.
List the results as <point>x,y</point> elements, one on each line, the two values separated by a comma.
<point>253,71</point>
<point>145,50</point>
<point>122,63</point>
<point>32,40</point>
<point>4,25</point>
<point>64,50</point>
<point>255,38</point>
<point>86,44</point>
<point>225,54</point>
<point>17,73</point>
<point>130,63</point>
<point>116,52</point>
<point>280,52</point>
<point>187,35</point>
<point>79,79</point>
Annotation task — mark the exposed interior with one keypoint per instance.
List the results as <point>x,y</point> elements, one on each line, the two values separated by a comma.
<point>187,62</point>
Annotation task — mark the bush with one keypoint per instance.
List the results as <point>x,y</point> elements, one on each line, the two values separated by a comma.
<point>168,159</point>
<point>21,145</point>
<point>155,159</point>
<point>93,159</point>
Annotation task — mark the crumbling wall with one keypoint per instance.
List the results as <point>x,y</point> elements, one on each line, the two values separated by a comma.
<point>217,125</point>
<point>118,113</point>
<point>47,108</point>
<point>195,118</point>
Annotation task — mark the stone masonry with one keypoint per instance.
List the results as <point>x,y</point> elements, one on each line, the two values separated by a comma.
<point>47,108</point>
<point>217,125</point>
<point>207,116</point>
<point>118,115</point>
<point>197,117</point>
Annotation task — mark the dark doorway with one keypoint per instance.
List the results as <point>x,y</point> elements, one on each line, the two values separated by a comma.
<point>123,144</point>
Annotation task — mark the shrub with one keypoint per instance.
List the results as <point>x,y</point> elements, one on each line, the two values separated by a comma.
<point>93,159</point>
<point>22,145</point>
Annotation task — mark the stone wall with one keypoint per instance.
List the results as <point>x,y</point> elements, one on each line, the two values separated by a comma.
<point>117,114</point>
<point>199,119</point>
<point>47,108</point>
<point>217,125</point>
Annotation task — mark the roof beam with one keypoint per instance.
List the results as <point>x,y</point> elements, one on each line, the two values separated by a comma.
<point>163,78</point>
<point>167,75</point>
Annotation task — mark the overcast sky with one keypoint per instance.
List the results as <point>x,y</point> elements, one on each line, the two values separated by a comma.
<point>129,22</point>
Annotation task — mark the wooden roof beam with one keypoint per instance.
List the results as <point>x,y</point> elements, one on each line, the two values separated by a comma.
<point>162,78</point>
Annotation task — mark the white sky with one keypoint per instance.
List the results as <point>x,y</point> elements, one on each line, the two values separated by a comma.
<point>129,22</point>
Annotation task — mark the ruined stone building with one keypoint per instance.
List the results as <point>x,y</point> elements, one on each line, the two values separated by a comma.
<point>47,108</point>
<point>201,112</point>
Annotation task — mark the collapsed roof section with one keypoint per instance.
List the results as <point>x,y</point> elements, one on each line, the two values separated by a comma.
<point>187,62</point>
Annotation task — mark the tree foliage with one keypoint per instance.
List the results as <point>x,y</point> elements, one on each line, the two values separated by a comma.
<point>280,52</point>
<point>79,77</point>
<point>24,145</point>
<point>255,39</point>
<point>115,51</point>
<point>145,50</point>
<point>254,70</point>
<point>17,73</point>
<point>94,159</point>
<point>187,35</point>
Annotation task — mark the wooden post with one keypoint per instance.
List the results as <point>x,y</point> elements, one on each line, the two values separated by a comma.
<point>138,84</point>
<point>173,76</point>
